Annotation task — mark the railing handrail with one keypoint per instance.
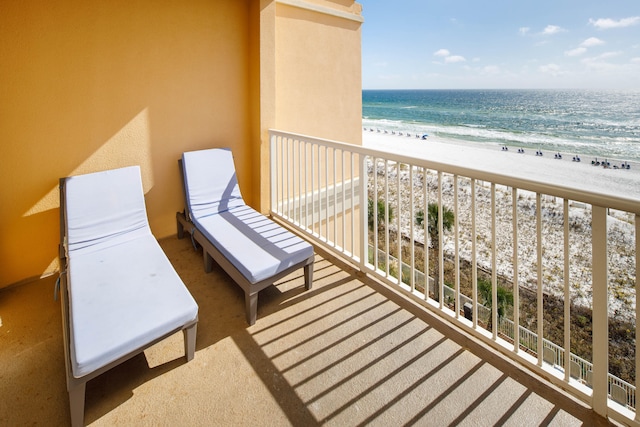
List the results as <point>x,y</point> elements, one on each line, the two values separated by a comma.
<point>526,334</point>
<point>579,195</point>
<point>305,167</point>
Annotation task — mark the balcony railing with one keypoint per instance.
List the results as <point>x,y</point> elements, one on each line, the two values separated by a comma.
<point>362,204</point>
<point>580,368</point>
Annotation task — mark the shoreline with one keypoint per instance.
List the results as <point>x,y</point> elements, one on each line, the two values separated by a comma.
<point>581,175</point>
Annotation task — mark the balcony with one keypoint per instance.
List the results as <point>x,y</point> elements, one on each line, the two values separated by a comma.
<point>555,292</point>
<point>364,346</point>
<point>351,351</point>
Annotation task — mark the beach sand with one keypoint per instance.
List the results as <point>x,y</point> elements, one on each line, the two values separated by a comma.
<point>580,175</point>
<point>565,172</point>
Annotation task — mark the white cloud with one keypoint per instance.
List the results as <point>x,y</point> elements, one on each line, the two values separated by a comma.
<point>636,60</point>
<point>552,69</point>
<point>524,31</point>
<point>592,41</point>
<point>609,55</point>
<point>448,58</point>
<point>607,23</point>
<point>454,58</point>
<point>491,69</point>
<point>575,52</point>
<point>597,65</point>
<point>552,29</point>
<point>600,62</point>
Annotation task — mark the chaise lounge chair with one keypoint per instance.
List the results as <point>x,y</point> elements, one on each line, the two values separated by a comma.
<point>251,248</point>
<point>120,293</point>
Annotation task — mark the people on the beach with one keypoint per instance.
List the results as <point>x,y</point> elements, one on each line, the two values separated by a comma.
<point>558,155</point>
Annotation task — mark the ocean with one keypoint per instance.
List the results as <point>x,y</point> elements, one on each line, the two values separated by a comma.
<point>604,124</point>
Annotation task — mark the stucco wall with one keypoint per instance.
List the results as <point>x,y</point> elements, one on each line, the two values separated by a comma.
<point>311,78</point>
<point>318,73</point>
<point>87,86</point>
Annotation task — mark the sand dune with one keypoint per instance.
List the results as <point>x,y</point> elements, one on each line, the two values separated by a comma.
<point>580,175</point>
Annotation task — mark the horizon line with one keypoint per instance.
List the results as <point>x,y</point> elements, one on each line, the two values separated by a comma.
<point>506,88</point>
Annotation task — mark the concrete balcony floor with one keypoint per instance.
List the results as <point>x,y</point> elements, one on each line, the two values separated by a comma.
<point>348,352</point>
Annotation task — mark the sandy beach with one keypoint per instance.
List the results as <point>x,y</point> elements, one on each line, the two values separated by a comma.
<point>546,168</point>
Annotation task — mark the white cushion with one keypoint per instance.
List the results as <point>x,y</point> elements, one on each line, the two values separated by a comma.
<point>210,182</point>
<point>121,298</point>
<point>104,208</point>
<point>123,291</point>
<point>258,247</point>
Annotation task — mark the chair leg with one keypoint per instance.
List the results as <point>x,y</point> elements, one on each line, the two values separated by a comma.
<point>190,341</point>
<point>208,261</point>
<point>76,402</point>
<point>251,307</point>
<point>308,276</point>
<point>180,227</point>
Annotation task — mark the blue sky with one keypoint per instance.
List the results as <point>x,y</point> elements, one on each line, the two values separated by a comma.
<point>449,44</point>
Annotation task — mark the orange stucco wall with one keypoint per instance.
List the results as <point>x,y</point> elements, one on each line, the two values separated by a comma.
<point>87,86</point>
<point>318,74</point>
<point>311,79</point>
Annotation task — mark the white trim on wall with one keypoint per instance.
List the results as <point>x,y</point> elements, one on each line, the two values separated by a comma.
<point>302,4</point>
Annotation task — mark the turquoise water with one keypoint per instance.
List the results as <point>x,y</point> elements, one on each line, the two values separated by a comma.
<point>599,123</point>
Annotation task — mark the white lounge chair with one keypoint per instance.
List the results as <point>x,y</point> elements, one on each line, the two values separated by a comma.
<point>251,248</point>
<point>120,293</point>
